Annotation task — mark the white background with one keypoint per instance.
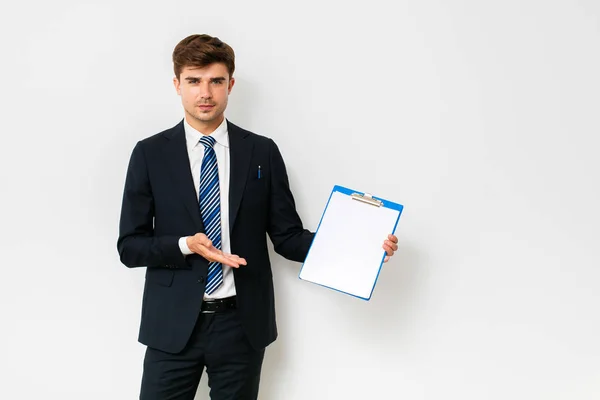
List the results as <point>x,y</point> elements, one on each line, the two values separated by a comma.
<point>481,117</point>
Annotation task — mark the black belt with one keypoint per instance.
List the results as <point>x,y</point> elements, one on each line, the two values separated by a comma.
<point>219,305</point>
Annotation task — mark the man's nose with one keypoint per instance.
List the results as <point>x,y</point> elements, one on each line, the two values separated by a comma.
<point>205,92</point>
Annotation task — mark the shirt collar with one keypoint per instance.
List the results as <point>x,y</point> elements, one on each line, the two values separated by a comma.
<point>192,136</point>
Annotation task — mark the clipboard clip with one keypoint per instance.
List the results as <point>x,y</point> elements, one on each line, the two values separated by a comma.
<point>367,198</point>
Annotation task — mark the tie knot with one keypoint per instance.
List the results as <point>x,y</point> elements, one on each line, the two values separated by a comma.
<point>208,141</point>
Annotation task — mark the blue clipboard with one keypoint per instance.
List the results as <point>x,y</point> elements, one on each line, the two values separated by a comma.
<point>322,270</point>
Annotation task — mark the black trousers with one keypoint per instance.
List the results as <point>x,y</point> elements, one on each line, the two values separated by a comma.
<point>219,344</point>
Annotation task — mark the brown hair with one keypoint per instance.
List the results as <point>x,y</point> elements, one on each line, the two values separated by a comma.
<point>201,51</point>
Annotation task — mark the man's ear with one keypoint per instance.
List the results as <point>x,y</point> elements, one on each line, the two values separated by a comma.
<point>231,83</point>
<point>176,84</point>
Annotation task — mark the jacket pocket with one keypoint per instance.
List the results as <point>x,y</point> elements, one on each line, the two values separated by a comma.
<point>160,276</point>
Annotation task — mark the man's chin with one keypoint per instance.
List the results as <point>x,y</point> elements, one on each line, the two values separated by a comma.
<point>205,117</point>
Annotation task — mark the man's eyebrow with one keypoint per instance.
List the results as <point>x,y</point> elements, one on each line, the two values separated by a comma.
<point>197,78</point>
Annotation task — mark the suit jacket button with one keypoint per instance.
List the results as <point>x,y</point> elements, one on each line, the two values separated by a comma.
<point>201,279</point>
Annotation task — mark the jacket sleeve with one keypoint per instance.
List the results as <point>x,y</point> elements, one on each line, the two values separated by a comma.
<point>137,244</point>
<point>285,228</point>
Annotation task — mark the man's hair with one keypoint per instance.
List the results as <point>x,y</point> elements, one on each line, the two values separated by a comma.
<point>201,51</point>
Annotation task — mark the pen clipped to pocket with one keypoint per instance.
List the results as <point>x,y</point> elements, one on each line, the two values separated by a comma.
<point>258,171</point>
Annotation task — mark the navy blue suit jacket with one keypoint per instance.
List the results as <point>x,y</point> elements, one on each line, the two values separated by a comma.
<point>160,206</point>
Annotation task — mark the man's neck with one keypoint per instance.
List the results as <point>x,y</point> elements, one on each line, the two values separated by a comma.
<point>206,128</point>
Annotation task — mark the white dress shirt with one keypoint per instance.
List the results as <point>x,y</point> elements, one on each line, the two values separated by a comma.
<point>195,154</point>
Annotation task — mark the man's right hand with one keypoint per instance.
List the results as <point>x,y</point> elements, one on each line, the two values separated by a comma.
<point>201,244</point>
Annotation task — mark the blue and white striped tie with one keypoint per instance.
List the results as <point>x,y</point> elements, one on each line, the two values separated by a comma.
<point>210,209</point>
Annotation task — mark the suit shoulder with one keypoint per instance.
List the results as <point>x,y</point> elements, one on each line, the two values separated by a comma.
<point>255,137</point>
<point>158,138</point>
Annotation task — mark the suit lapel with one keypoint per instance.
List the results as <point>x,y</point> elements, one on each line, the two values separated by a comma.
<point>240,152</point>
<point>179,165</point>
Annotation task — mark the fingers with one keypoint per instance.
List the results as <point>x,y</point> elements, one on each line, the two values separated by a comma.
<point>226,261</point>
<point>390,246</point>
<point>389,250</point>
<point>230,260</point>
<point>234,259</point>
<point>386,259</point>
<point>201,244</point>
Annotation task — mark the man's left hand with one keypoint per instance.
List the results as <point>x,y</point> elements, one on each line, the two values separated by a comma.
<point>390,246</point>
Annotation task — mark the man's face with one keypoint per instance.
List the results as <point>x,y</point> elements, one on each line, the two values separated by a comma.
<point>204,93</point>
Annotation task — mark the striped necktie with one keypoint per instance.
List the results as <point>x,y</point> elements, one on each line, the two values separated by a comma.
<point>210,209</point>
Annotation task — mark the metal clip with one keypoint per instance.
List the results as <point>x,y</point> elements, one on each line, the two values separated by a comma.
<point>367,198</point>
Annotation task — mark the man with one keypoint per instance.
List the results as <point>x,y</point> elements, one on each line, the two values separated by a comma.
<point>194,194</point>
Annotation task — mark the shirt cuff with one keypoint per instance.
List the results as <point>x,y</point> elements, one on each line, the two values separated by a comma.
<point>185,250</point>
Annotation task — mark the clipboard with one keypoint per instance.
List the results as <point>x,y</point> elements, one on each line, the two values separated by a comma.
<point>346,253</point>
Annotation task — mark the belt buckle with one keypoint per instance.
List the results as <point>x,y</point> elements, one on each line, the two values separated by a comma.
<point>218,305</point>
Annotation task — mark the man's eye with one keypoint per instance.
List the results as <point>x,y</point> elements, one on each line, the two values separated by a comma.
<point>217,82</point>
<point>193,81</point>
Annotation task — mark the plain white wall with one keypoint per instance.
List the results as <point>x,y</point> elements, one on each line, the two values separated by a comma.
<point>481,117</point>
